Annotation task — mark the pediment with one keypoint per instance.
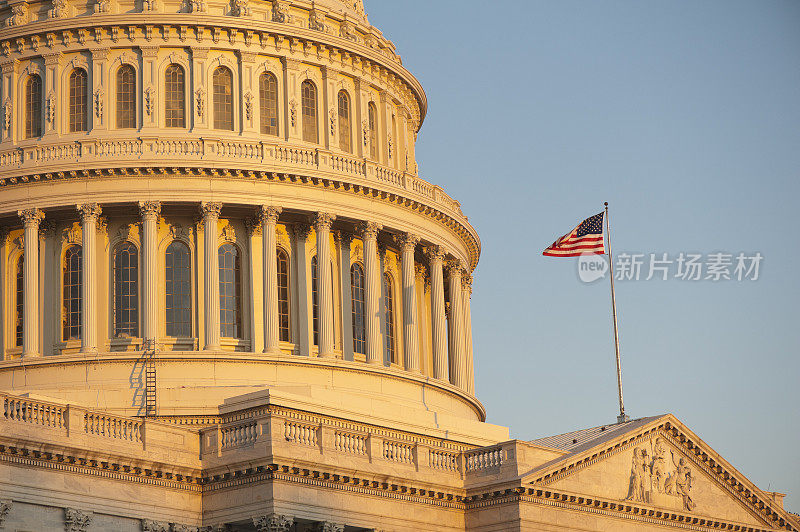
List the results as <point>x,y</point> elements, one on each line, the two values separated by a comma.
<point>663,467</point>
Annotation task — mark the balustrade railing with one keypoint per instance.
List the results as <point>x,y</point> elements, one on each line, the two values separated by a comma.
<point>444,460</point>
<point>223,149</point>
<point>300,433</point>
<point>34,412</point>
<point>239,435</point>
<point>398,452</point>
<point>350,443</point>
<point>119,428</point>
<point>485,458</point>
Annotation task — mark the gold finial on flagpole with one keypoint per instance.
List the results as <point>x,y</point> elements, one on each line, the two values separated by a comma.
<point>622,417</point>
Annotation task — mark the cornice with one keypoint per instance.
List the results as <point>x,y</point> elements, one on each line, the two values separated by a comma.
<point>454,221</point>
<point>259,358</point>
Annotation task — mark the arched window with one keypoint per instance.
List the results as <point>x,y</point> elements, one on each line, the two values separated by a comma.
<point>230,290</point>
<point>178,290</point>
<point>20,296</point>
<point>72,299</point>
<point>357,293</point>
<point>389,318</point>
<point>175,96</point>
<point>126,290</point>
<point>314,300</point>
<point>373,130</point>
<point>126,97</point>
<point>33,107</point>
<point>283,296</point>
<point>309,101</point>
<point>223,98</point>
<point>268,102</point>
<point>78,100</point>
<point>345,135</point>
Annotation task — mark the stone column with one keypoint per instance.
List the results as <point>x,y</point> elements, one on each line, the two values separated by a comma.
<point>467,304</point>
<point>344,241</point>
<point>302,293</point>
<point>458,359</point>
<point>90,212</point>
<point>372,279</point>
<point>100,88</point>
<point>52,91</point>
<point>31,218</point>
<point>269,223</point>
<point>322,226</point>
<point>210,212</point>
<point>9,89</point>
<point>408,244</point>
<point>150,87</point>
<point>438,323</point>
<point>149,211</point>
<point>199,96</point>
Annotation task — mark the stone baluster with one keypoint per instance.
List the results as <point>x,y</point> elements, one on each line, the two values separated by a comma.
<point>458,359</point>
<point>439,324</point>
<point>408,244</point>
<point>90,212</point>
<point>31,219</point>
<point>269,224</point>
<point>149,211</point>
<point>210,212</point>
<point>322,226</point>
<point>467,307</point>
<point>369,236</point>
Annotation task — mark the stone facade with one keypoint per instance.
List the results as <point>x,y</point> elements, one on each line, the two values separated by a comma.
<point>228,301</point>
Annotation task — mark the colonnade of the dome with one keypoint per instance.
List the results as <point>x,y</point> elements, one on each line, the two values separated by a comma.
<point>106,278</point>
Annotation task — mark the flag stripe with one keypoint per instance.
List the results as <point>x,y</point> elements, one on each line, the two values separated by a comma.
<point>586,238</point>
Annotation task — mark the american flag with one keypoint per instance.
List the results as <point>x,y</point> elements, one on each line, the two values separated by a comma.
<point>587,238</point>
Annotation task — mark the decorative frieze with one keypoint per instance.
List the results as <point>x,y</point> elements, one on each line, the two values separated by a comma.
<point>148,525</point>
<point>19,14</point>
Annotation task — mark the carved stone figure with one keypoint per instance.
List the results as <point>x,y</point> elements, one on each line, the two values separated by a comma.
<point>149,100</point>
<point>248,106</point>
<point>683,482</point>
<point>659,465</point>
<point>347,30</point>
<point>59,10</point>
<point>241,8</point>
<point>148,525</point>
<point>640,477</point>
<point>293,112</point>
<point>280,11</point>
<point>19,15</point>
<point>317,20</point>
<point>200,96</point>
<point>50,108</point>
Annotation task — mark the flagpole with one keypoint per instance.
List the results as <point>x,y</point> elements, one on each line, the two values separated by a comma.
<point>622,418</point>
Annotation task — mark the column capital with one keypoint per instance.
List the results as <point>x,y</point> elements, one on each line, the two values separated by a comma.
<point>327,526</point>
<point>149,208</point>
<point>466,282</point>
<point>90,211</point>
<point>421,272</point>
<point>323,220</point>
<point>76,520</point>
<point>270,214</point>
<point>343,238</point>
<point>434,252</point>
<point>455,267</point>
<point>253,225</point>
<point>273,523</point>
<point>31,216</point>
<point>99,54</point>
<point>407,241</point>
<point>210,209</point>
<point>301,230</point>
<point>369,229</point>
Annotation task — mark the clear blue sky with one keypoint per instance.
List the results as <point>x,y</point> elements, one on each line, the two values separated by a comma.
<point>684,115</point>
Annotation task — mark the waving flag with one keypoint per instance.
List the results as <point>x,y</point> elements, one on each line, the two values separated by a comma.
<point>586,238</point>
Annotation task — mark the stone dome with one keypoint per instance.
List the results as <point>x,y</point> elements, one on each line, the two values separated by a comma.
<point>354,8</point>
